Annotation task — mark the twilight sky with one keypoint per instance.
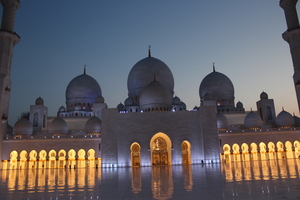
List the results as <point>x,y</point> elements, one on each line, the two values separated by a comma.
<point>58,38</point>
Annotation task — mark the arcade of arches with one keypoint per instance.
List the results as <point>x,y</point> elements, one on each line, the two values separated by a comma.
<point>261,151</point>
<point>52,159</point>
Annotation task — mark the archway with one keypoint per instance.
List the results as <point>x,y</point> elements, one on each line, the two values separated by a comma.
<point>245,152</point>
<point>13,160</point>
<point>289,149</point>
<point>280,150</point>
<point>32,159</point>
<point>42,159</point>
<point>91,158</point>
<point>253,147</point>
<point>160,146</point>
<point>271,147</point>
<point>236,152</point>
<point>262,150</point>
<point>62,158</point>
<point>186,152</point>
<point>297,149</point>
<point>81,158</point>
<point>71,158</point>
<point>135,154</point>
<point>52,158</point>
<point>23,159</point>
<point>226,150</point>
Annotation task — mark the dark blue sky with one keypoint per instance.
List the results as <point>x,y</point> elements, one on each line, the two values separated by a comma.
<point>58,38</point>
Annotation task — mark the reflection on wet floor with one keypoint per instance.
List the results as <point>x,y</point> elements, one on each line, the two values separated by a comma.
<point>272,179</point>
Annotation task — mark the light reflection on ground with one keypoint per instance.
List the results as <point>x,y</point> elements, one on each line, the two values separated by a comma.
<point>274,179</point>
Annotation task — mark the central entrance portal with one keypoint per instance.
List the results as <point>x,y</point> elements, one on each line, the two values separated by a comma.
<point>159,152</point>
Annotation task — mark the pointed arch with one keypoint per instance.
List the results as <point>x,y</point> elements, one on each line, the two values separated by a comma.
<point>160,145</point>
<point>289,149</point>
<point>52,158</point>
<point>13,160</point>
<point>62,158</point>
<point>135,149</point>
<point>186,152</point>
<point>226,150</point>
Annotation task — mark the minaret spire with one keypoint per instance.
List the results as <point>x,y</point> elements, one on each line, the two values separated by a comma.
<point>8,39</point>
<point>149,51</point>
<point>292,36</point>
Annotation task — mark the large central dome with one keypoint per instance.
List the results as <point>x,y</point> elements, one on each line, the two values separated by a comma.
<point>143,73</point>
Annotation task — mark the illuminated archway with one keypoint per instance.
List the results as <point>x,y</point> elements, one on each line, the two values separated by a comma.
<point>297,149</point>
<point>71,158</point>
<point>280,150</point>
<point>52,159</point>
<point>23,159</point>
<point>62,158</point>
<point>13,160</point>
<point>289,149</point>
<point>135,154</point>
<point>186,152</point>
<point>160,145</point>
<point>236,152</point>
<point>32,159</point>
<point>271,147</point>
<point>91,158</point>
<point>226,150</point>
<point>245,152</point>
<point>42,159</point>
<point>262,150</point>
<point>81,158</point>
<point>253,148</point>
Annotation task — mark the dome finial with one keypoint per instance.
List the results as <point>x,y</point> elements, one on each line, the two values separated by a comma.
<point>84,71</point>
<point>149,51</point>
<point>282,108</point>
<point>214,69</point>
<point>154,78</point>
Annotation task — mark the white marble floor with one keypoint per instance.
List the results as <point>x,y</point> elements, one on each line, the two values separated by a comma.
<point>277,179</point>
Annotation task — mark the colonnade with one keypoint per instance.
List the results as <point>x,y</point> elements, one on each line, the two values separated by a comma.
<point>261,151</point>
<point>52,159</point>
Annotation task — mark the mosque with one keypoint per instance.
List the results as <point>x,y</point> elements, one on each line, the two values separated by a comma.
<point>152,126</point>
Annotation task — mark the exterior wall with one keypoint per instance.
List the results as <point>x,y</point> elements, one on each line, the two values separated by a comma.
<point>120,130</point>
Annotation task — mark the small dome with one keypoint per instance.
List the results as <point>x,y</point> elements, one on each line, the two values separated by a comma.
<point>58,126</point>
<point>23,127</point>
<point>176,100</point>
<point>285,119</point>
<point>182,105</point>
<point>120,107</point>
<point>128,102</point>
<point>239,105</point>
<point>263,95</point>
<point>156,97</point>
<point>222,121</point>
<point>218,86</point>
<point>93,125</point>
<point>82,89</point>
<point>253,121</point>
<point>77,107</point>
<point>100,99</point>
<point>39,101</point>
<point>62,109</point>
<point>196,108</point>
<point>142,74</point>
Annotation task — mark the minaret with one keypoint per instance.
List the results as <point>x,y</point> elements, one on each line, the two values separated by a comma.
<point>8,39</point>
<point>292,36</point>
